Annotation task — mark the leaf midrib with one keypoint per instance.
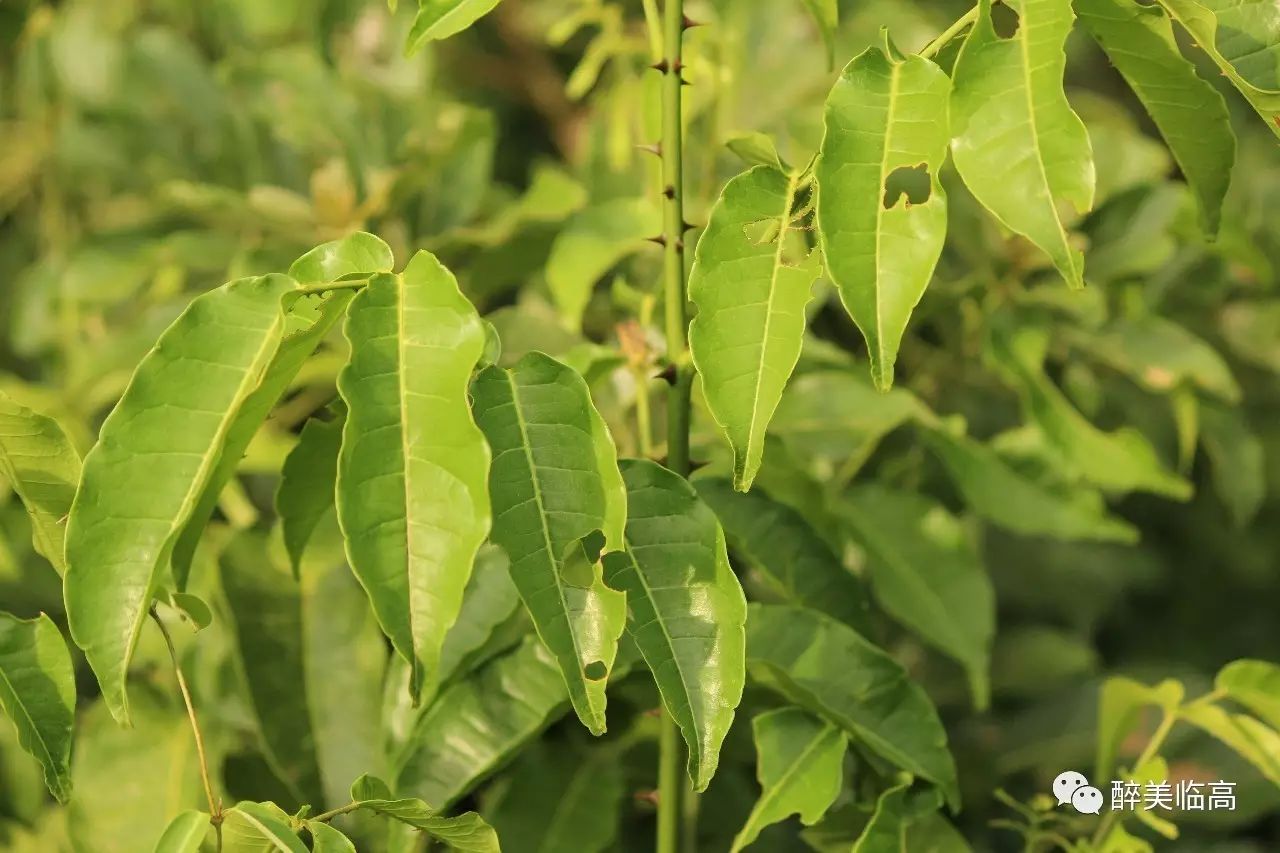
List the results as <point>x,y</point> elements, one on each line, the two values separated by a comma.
<point>402,397</point>
<point>771,795</point>
<point>21,706</point>
<point>894,75</point>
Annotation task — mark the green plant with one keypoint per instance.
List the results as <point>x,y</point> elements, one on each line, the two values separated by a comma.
<point>341,546</point>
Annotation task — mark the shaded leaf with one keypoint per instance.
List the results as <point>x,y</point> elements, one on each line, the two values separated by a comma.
<point>185,833</point>
<point>927,574</point>
<point>156,453</point>
<point>440,19</point>
<point>40,465</point>
<point>552,487</point>
<point>1016,142</point>
<point>592,242</point>
<point>885,119</point>
<point>687,609</point>
<point>1237,458</point>
<point>38,694</point>
<point>307,482</point>
<point>800,766</point>
<point>1161,356</point>
<point>1255,684</point>
<point>826,14</point>
<point>328,840</point>
<point>259,828</point>
<point>1190,113</point>
<point>467,832</point>
<point>1120,705</point>
<point>826,667</point>
<point>751,293</point>
<point>896,809</point>
<point>1254,741</point>
<point>757,149</point>
<point>412,488</point>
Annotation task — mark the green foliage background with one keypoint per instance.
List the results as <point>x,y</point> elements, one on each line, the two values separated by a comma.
<point>152,149</point>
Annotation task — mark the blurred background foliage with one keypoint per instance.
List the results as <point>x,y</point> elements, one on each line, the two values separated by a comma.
<point>152,149</point>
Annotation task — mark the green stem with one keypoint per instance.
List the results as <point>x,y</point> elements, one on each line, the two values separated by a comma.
<point>332,813</point>
<point>1153,747</point>
<point>676,322</point>
<point>931,49</point>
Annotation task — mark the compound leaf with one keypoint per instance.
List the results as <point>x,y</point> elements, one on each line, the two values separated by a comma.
<point>412,488</point>
<point>42,468</point>
<point>687,609</point>
<point>885,119</point>
<point>38,693</point>
<point>1016,141</point>
<point>751,294</point>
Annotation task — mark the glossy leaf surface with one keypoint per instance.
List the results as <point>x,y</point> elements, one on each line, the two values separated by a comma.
<point>38,694</point>
<point>40,465</point>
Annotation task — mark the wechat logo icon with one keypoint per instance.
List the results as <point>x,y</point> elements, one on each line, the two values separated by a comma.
<point>1072,788</point>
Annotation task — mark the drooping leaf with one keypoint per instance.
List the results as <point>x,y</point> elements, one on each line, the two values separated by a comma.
<point>440,19</point>
<point>185,833</point>
<point>1252,740</point>
<point>40,465</point>
<point>558,800</point>
<point>412,488</point>
<point>751,291</point>
<point>1004,495</point>
<point>800,766</point>
<point>1120,704</point>
<point>591,243</point>
<point>1255,684</point>
<point>1017,144</point>
<point>1237,458</point>
<point>259,828</point>
<point>38,694</point>
<point>826,667</point>
<point>686,608</point>
<point>1161,356</point>
<point>156,453</point>
<point>782,544</point>
<point>553,487</point>
<point>896,809</point>
<point>881,234</point>
<point>826,14</point>
<point>1190,113</point>
<point>467,833</point>
<point>307,483</point>
<point>927,574</point>
<point>328,840</point>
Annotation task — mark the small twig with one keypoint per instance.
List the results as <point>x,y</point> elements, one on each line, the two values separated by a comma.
<point>314,289</point>
<point>332,813</point>
<point>949,33</point>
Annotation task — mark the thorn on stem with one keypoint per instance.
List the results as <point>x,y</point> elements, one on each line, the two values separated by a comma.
<point>660,240</point>
<point>669,192</point>
<point>647,796</point>
<point>668,374</point>
<point>661,66</point>
<point>689,23</point>
<point>688,226</point>
<point>655,150</point>
<point>684,82</point>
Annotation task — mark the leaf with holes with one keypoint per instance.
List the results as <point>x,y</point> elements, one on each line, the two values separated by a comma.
<point>38,693</point>
<point>751,290</point>
<point>557,496</point>
<point>42,468</point>
<point>800,766</point>
<point>412,487</point>
<point>686,607</point>
<point>1190,113</point>
<point>885,119</point>
<point>1017,144</point>
<point>156,454</point>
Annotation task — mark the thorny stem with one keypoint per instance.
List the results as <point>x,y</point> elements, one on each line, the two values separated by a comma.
<point>949,33</point>
<point>215,805</point>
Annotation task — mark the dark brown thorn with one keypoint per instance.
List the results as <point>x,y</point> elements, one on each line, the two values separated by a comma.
<point>690,23</point>
<point>680,246</point>
<point>684,82</point>
<point>668,374</point>
<point>678,66</point>
<point>660,240</point>
<point>661,65</point>
<point>655,150</point>
<point>647,796</point>
<point>688,226</point>
<point>669,192</point>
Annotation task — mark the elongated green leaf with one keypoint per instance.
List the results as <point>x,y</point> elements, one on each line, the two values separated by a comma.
<point>800,765</point>
<point>1000,493</point>
<point>1161,356</point>
<point>156,453</point>
<point>826,667</point>
<point>751,291</point>
<point>477,724</point>
<point>412,488</point>
<point>927,575</point>
<point>38,693</point>
<point>1238,460</point>
<point>782,544</point>
<point>592,242</point>
<point>561,801</point>
<point>1016,142</point>
<point>1255,684</point>
<point>1254,741</point>
<point>259,828</point>
<point>1190,113</point>
<point>826,14</point>
<point>328,840</point>
<point>686,608</point>
<point>885,118</point>
<point>42,468</point>
<point>896,809</point>
<point>307,483</point>
<point>467,833</point>
<point>185,833</point>
<point>440,19</point>
<point>1119,705</point>
<point>551,490</point>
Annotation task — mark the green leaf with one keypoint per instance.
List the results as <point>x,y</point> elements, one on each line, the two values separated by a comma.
<point>927,574</point>
<point>1002,494</point>
<point>778,541</point>
<point>440,19</point>
<point>356,255</point>
<point>328,840</point>
<point>477,724</point>
<point>1190,113</point>
<point>896,809</point>
<point>1241,36</point>
<point>757,149</point>
<point>687,610</point>
<point>1254,741</point>
<point>554,483</point>
<point>193,609</point>
<point>751,291</point>
<point>42,468</point>
<point>826,14</point>
<point>826,667</point>
<point>156,453</point>
<point>307,483</point>
<point>259,828</point>
<point>412,491</point>
<point>800,765</point>
<point>185,833</point>
<point>1016,142</point>
<point>1119,706</point>
<point>560,800</point>
<point>1161,356</point>
<point>38,693</point>
<point>1237,458</point>
<point>592,242</point>
<point>885,119</point>
<point>467,832</point>
<point>1255,684</point>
